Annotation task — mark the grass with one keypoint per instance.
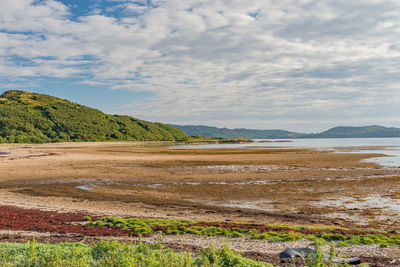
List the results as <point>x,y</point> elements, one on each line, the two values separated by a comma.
<point>113,253</point>
<point>139,226</point>
<point>181,227</point>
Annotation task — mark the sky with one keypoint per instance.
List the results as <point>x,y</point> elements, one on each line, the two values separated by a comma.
<point>299,65</point>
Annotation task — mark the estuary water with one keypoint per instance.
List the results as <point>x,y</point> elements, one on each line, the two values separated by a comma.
<point>387,146</point>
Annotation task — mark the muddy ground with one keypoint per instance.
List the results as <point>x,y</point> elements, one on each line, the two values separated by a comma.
<point>285,185</point>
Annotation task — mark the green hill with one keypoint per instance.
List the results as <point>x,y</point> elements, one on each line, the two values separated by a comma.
<point>36,118</point>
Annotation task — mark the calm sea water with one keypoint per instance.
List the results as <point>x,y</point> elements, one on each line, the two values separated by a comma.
<point>388,146</point>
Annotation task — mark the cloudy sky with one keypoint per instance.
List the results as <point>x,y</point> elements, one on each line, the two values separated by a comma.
<point>292,64</point>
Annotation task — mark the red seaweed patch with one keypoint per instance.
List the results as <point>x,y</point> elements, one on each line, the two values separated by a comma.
<point>19,219</point>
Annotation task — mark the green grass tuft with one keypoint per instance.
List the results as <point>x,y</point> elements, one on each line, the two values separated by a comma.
<point>181,227</point>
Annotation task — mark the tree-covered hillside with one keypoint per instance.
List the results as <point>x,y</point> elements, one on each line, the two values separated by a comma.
<point>27,117</point>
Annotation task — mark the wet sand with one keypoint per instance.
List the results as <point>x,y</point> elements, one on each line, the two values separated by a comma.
<point>268,185</point>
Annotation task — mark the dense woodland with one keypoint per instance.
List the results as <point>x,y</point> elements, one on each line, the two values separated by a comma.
<point>36,118</point>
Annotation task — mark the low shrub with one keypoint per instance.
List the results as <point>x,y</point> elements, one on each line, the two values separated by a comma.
<point>113,253</point>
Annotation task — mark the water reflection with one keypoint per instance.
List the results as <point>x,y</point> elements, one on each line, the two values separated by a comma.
<point>388,146</point>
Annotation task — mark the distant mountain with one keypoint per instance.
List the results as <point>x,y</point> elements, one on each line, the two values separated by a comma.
<point>208,131</point>
<point>360,132</point>
<point>27,117</point>
<point>336,132</point>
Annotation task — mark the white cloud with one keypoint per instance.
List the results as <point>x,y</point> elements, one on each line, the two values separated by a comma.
<point>243,62</point>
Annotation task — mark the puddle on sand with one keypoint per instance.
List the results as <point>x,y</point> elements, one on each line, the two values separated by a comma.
<point>254,205</point>
<point>262,182</point>
<point>85,182</point>
<point>373,201</point>
<point>268,168</point>
<point>389,208</point>
<point>392,158</point>
<point>239,168</point>
<point>83,187</point>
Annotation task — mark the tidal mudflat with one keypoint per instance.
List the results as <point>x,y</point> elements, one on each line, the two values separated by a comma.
<point>266,185</point>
